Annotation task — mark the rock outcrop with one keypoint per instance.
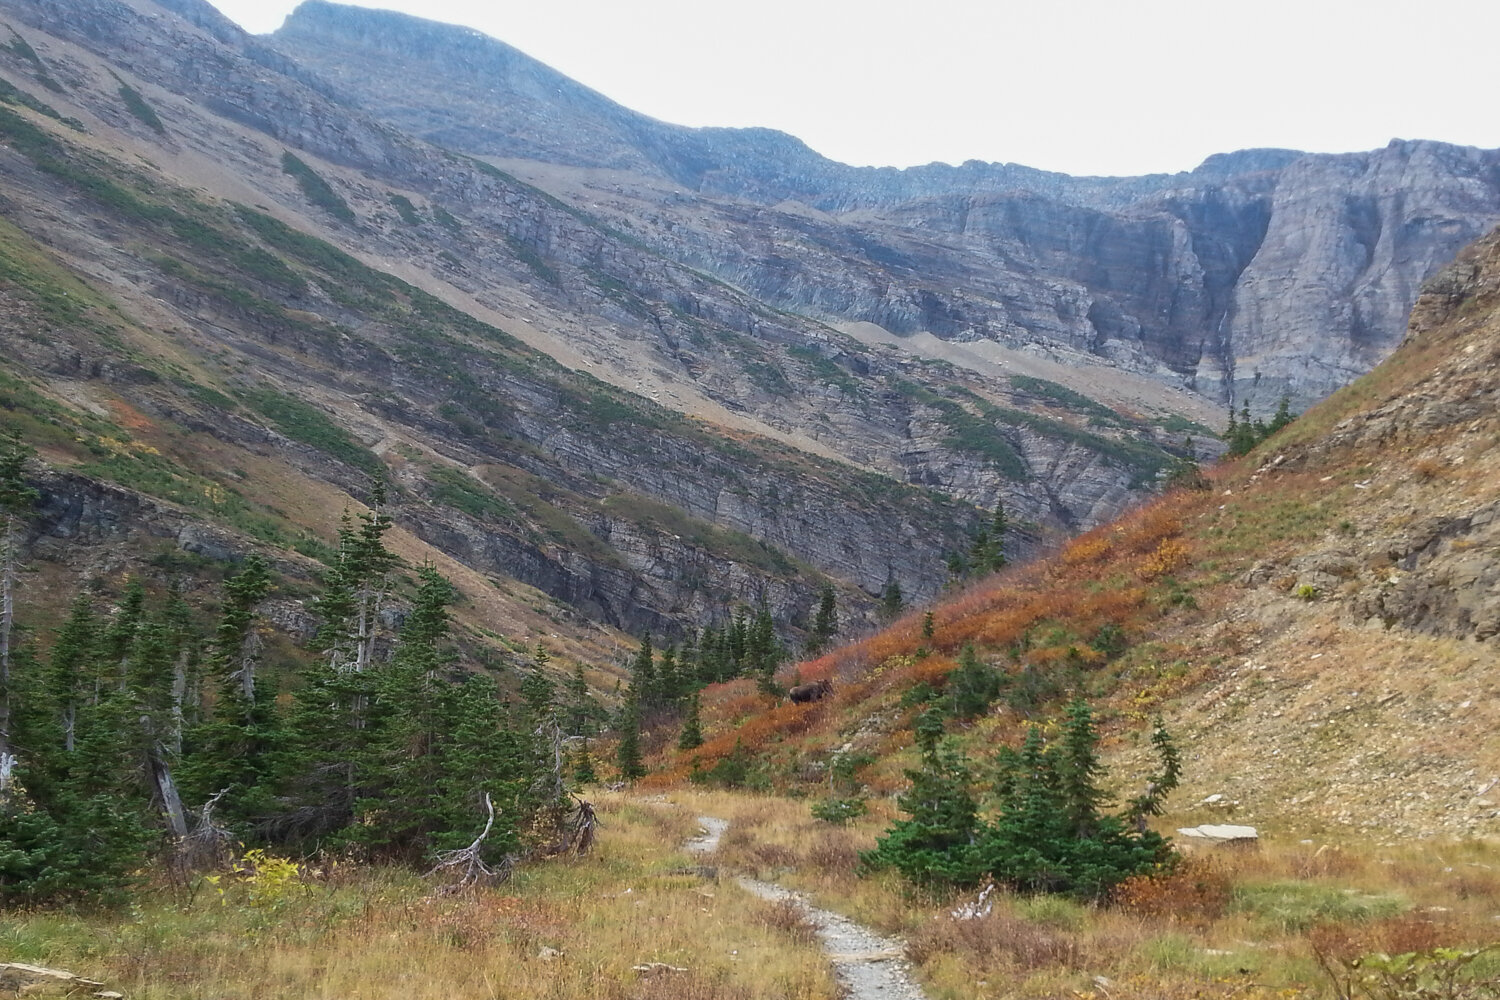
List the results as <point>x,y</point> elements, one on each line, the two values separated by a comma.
<point>1260,273</point>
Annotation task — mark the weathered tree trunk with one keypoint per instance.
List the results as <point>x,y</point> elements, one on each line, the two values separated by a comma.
<point>166,791</point>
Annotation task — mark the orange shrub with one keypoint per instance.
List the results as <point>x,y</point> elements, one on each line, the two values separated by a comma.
<point>1169,555</point>
<point>1194,891</point>
<point>1086,549</point>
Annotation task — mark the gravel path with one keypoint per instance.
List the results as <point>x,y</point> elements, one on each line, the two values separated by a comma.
<point>870,966</point>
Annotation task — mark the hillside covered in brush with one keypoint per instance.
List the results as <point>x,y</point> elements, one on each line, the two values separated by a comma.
<point>1315,625</point>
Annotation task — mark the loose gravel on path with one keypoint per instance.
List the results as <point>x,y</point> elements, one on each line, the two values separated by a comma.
<point>870,966</point>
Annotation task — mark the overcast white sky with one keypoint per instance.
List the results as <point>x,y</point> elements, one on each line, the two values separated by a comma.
<point>1081,86</point>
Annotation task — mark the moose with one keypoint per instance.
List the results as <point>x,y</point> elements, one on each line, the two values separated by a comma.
<point>804,693</point>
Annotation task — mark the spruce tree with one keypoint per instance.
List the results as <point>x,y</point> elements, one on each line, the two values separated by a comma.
<point>644,685</point>
<point>234,750</point>
<point>825,623</point>
<point>935,846</point>
<point>891,600</point>
<point>538,690</point>
<point>583,765</point>
<point>581,716</point>
<point>628,753</point>
<point>692,728</point>
<point>972,686</point>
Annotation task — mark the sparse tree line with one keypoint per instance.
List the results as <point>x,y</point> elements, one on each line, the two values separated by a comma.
<point>149,730</point>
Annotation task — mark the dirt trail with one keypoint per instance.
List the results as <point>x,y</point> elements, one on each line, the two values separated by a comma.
<point>870,966</point>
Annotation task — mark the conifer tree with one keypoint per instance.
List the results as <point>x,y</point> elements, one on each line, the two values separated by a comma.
<point>972,686</point>
<point>644,686</point>
<point>692,728</point>
<point>581,716</point>
<point>538,690</point>
<point>825,623</point>
<point>628,753</point>
<point>72,676</point>
<point>583,765</point>
<point>233,751</point>
<point>936,845</point>
<point>891,600</point>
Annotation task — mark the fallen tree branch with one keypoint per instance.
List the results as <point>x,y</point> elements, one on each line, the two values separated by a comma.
<point>470,861</point>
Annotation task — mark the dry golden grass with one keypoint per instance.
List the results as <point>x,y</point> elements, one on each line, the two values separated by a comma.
<point>379,934</point>
<point>1228,923</point>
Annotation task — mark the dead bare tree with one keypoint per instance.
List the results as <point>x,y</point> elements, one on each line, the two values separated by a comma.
<point>208,845</point>
<point>469,862</point>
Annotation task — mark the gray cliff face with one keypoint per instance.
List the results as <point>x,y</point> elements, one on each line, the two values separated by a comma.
<point>1259,273</point>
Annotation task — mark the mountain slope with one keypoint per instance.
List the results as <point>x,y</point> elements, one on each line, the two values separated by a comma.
<point>305,240</point>
<point>1259,273</point>
<point>1318,628</point>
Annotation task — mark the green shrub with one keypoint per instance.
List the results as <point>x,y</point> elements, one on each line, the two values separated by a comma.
<point>317,190</point>
<point>839,811</point>
<point>136,105</point>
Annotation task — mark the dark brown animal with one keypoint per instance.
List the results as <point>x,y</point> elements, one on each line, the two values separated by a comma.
<point>804,693</point>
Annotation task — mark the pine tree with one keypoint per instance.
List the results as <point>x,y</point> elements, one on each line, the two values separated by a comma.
<point>583,765</point>
<point>936,845</point>
<point>538,690</point>
<point>972,686</point>
<point>628,753</point>
<point>825,624</point>
<point>692,728</point>
<point>581,716</point>
<point>644,685</point>
<point>891,600</point>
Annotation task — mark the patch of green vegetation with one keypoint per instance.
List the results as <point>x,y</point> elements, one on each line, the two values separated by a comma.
<point>617,291</point>
<point>1296,906</point>
<point>50,157</point>
<point>310,426</point>
<point>540,502</point>
<point>404,208</point>
<point>446,219</point>
<point>52,291</point>
<point>825,370</point>
<point>206,395</point>
<point>976,435</point>
<point>452,488</point>
<point>1067,398</point>
<point>136,105</point>
<point>526,255</point>
<point>1174,423</point>
<point>22,48</point>
<point>1145,460</point>
<point>768,378</point>
<point>15,96</point>
<point>239,298</point>
<point>316,189</point>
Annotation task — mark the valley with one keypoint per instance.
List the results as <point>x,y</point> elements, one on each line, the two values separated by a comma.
<point>388,459</point>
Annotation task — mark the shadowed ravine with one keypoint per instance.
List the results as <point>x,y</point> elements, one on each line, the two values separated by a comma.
<point>869,966</point>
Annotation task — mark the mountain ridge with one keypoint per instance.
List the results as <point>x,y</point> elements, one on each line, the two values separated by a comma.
<point>995,252</point>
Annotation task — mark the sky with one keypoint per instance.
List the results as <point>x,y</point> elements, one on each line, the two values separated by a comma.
<point>1080,86</point>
